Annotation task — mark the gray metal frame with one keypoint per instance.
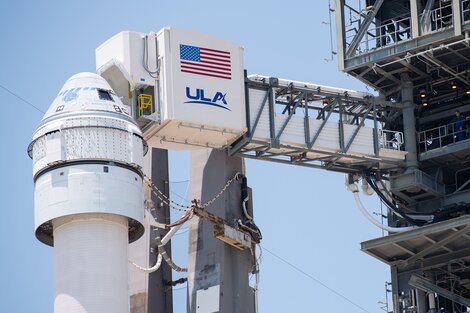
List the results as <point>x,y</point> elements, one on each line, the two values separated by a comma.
<point>433,258</point>
<point>448,46</point>
<point>297,100</point>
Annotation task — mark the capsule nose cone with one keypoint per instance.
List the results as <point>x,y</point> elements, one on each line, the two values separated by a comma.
<point>85,78</point>
<point>85,92</point>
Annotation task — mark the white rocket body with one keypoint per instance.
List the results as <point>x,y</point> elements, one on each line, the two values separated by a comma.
<point>87,154</point>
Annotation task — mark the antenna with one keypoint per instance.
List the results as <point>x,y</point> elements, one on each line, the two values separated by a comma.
<point>332,52</point>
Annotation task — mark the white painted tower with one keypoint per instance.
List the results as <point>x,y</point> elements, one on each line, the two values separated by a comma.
<point>87,155</point>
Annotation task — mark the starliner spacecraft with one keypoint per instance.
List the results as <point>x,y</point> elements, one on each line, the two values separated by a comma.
<point>87,155</point>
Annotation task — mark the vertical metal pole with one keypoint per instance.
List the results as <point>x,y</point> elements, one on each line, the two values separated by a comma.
<point>422,301</point>
<point>395,289</point>
<point>341,126</point>
<point>409,122</point>
<point>247,104</point>
<point>340,40</point>
<point>217,272</point>
<point>272,126</point>
<point>306,121</point>
<point>457,17</point>
<point>414,19</point>
<point>149,292</point>
<point>376,133</point>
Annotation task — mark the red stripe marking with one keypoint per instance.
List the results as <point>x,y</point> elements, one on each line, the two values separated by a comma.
<point>221,67</point>
<point>218,76</point>
<point>216,63</point>
<point>216,55</point>
<point>214,59</point>
<point>205,70</point>
<point>213,50</point>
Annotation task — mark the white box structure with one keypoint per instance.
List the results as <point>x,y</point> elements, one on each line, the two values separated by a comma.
<point>198,82</point>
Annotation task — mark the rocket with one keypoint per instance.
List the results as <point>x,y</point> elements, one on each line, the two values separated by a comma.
<point>87,157</point>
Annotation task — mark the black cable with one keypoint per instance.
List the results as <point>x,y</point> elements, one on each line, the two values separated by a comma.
<point>22,99</point>
<point>315,280</point>
<point>391,205</point>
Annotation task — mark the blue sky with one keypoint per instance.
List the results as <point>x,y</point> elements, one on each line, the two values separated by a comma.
<point>306,215</point>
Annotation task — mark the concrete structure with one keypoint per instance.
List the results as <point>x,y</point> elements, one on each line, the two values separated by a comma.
<point>217,273</point>
<point>150,292</point>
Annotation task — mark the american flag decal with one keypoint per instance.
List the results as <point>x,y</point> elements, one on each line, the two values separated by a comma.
<point>205,61</point>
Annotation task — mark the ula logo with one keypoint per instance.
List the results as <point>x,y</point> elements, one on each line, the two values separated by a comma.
<point>199,97</point>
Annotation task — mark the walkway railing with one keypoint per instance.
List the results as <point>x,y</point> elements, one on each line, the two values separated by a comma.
<point>444,135</point>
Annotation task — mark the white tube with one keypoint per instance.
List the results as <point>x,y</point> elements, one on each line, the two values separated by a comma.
<point>432,302</point>
<point>366,189</point>
<point>374,221</point>
<point>245,211</point>
<point>170,234</point>
<point>90,258</point>
<point>157,265</point>
<point>149,269</point>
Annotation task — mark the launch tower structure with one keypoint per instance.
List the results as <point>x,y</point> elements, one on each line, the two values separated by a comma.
<point>416,54</point>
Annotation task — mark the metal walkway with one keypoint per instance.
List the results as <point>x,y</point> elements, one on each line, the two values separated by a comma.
<point>317,126</point>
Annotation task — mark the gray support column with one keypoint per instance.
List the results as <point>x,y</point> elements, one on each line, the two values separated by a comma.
<point>409,123</point>
<point>457,17</point>
<point>217,272</point>
<point>422,301</point>
<point>414,19</point>
<point>395,289</point>
<point>160,295</point>
<point>149,292</point>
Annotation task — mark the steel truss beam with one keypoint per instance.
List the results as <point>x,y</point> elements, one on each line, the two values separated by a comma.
<point>346,108</point>
<point>363,29</point>
<point>425,285</point>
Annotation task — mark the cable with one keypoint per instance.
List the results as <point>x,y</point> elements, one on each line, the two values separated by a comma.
<point>315,280</point>
<point>181,197</point>
<point>145,58</point>
<point>22,99</point>
<point>374,221</point>
<point>179,181</point>
<point>150,269</point>
<point>162,251</point>
<point>390,204</point>
<point>182,220</point>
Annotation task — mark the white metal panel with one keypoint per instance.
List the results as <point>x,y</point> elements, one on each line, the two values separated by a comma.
<point>208,300</point>
<point>80,94</point>
<point>85,143</point>
<point>203,99</point>
<point>54,148</point>
<point>177,134</point>
<point>202,107</point>
<point>88,188</point>
<point>198,110</point>
<point>127,50</point>
<point>90,264</point>
<point>329,89</point>
<point>139,253</point>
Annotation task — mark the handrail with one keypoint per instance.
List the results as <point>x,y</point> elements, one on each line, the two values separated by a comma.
<point>443,135</point>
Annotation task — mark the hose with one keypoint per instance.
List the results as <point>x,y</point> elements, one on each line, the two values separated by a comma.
<point>149,269</point>
<point>391,205</point>
<point>163,241</point>
<point>162,252</point>
<point>373,220</point>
